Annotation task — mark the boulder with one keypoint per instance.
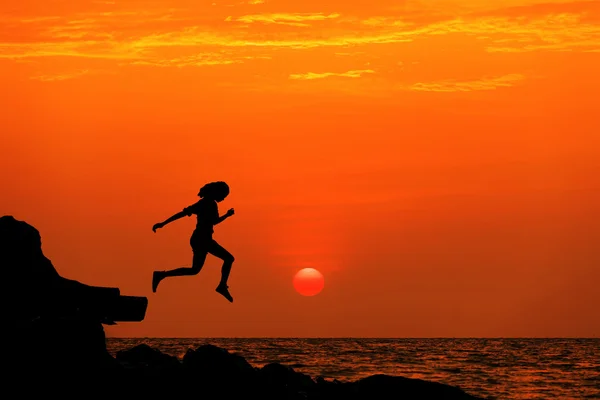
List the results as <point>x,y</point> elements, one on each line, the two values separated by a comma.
<point>144,356</point>
<point>52,322</point>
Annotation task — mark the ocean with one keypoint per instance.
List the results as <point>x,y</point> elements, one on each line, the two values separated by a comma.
<point>488,368</point>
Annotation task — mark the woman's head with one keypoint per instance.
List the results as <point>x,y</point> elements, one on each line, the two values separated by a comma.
<point>214,190</point>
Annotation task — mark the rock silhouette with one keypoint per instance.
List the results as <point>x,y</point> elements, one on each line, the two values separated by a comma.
<point>54,322</point>
<point>216,373</point>
<point>56,346</point>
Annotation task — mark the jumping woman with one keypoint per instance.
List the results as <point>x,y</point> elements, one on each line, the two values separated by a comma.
<point>202,242</point>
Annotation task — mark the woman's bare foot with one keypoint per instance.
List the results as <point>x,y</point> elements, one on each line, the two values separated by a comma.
<point>223,290</point>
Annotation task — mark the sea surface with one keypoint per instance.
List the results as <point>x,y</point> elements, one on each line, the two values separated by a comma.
<point>488,368</point>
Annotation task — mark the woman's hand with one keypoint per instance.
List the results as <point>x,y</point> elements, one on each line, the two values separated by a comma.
<point>230,212</point>
<point>157,226</point>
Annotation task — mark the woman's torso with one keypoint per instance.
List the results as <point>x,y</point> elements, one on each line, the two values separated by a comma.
<point>207,212</point>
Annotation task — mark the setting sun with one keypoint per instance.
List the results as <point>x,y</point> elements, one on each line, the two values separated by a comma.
<point>308,282</point>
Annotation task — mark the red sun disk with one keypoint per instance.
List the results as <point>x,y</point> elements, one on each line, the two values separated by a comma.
<point>308,282</point>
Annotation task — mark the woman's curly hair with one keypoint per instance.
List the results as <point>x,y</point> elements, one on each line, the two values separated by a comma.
<point>214,189</point>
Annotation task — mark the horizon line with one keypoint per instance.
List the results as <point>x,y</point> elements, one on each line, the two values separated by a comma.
<point>355,337</point>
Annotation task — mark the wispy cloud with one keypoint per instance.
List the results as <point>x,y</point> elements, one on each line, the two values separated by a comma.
<point>134,34</point>
<point>487,83</point>
<point>81,49</point>
<point>198,60</point>
<point>349,74</point>
<point>195,36</point>
<point>34,20</point>
<point>60,77</point>
<point>284,19</point>
<point>561,31</point>
<point>179,38</point>
<point>349,53</point>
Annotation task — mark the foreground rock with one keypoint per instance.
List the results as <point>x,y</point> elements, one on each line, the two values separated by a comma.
<point>213,372</point>
<point>210,372</point>
<point>51,322</point>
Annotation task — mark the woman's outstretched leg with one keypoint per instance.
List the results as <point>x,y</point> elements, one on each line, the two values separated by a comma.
<point>197,263</point>
<point>218,251</point>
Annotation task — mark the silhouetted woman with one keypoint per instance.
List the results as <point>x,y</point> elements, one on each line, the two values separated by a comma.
<point>202,242</point>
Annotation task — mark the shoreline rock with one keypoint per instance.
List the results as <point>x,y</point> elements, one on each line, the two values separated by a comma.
<point>217,370</point>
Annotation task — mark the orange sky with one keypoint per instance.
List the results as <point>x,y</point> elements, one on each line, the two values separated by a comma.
<point>437,161</point>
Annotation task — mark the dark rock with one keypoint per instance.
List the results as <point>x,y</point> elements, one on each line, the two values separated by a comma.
<point>276,374</point>
<point>35,289</point>
<point>282,382</point>
<point>59,344</point>
<point>53,323</point>
<point>379,386</point>
<point>218,366</point>
<point>144,356</point>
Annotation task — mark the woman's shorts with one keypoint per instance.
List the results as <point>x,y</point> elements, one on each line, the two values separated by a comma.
<point>200,241</point>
